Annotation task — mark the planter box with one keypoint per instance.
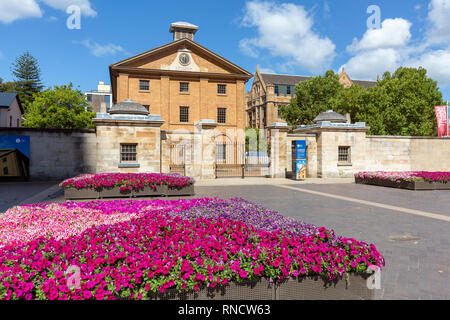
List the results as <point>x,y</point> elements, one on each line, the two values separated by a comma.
<point>409,185</point>
<point>149,192</point>
<point>75,194</point>
<point>442,185</point>
<point>310,288</point>
<point>115,193</point>
<point>186,191</point>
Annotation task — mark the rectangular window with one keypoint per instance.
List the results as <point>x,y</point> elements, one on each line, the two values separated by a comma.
<point>89,97</point>
<point>128,153</point>
<point>221,115</point>
<point>344,155</point>
<point>107,99</point>
<point>144,85</point>
<point>288,89</point>
<point>184,87</point>
<point>221,153</point>
<point>221,89</point>
<point>184,114</point>
<point>277,90</point>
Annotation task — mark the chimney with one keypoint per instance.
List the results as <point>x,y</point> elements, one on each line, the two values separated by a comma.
<point>183,30</point>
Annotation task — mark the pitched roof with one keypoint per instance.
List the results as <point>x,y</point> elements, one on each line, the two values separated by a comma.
<point>365,84</point>
<point>181,42</point>
<point>283,79</point>
<point>7,98</point>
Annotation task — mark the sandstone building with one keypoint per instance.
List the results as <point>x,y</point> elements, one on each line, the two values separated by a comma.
<point>184,83</point>
<point>270,92</point>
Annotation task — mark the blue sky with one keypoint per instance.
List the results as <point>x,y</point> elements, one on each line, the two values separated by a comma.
<point>289,37</point>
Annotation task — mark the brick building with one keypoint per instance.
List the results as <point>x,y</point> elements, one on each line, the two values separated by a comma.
<point>270,92</point>
<point>184,83</point>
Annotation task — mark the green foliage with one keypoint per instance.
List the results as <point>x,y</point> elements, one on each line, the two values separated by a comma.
<point>401,104</point>
<point>7,86</point>
<point>28,74</point>
<point>313,97</point>
<point>61,107</point>
<point>254,141</point>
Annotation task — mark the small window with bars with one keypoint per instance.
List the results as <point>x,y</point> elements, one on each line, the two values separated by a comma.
<point>221,115</point>
<point>221,89</point>
<point>184,114</point>
<point>344,155</point>
<point>128,153</point>
<point>144,85</point>
<point>184,87</point>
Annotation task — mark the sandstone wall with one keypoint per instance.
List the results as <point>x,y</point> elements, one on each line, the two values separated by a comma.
<point>59,154</point>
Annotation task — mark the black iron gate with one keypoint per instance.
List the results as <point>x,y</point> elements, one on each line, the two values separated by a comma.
<point>232,161</point>
<point>178,158</point>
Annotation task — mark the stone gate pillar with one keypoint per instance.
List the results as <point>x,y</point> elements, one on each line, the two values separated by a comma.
<point>277,133</point>
<point>207,142</point>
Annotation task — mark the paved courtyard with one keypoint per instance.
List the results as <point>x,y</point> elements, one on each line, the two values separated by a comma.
<point>411,229</point>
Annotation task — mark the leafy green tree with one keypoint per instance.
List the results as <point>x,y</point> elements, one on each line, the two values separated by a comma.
<point>401,104</point>
<point>28,77</point>
<point>7,86</point>
<point>313,97</point>
<point>61,107</point>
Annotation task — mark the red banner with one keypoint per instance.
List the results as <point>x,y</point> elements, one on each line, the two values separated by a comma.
<point>441,115</point>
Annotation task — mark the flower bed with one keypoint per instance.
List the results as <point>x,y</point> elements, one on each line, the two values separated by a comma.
<point>117,185</point>
<point>146,249</point>
<point>412,180</point>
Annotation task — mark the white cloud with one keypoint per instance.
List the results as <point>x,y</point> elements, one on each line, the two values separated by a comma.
<point>393,33</point>
<point>438,18</point>
<point>99,50</point>
<point>285,30</point>
<point>390,47</point>
<point>436,62</point>
<point>12,10</point>
<point>85,6</point>
<point>368,64</point>
<point>266,70</point>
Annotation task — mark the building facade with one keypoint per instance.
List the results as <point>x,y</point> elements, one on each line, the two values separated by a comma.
<point>11,110</point>
<point>270,92</point>
<point>100,99</point>
<point>184,83</point>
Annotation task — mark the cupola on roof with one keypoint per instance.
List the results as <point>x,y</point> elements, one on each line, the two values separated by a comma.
<point>330,116</point>
<point>183,30</point>
<point>129,107</point>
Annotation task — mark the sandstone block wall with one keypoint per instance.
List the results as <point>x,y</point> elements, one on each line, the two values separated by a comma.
<point>59,154</point>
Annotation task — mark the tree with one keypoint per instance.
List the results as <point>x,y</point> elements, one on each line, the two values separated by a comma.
<point>61,107</point>
<point>7,86</point>
<point>28,77</point>
<point>313,97</point>
<point>401,104</point>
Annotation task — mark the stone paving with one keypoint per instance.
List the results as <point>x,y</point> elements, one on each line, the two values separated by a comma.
<point>416,248</point>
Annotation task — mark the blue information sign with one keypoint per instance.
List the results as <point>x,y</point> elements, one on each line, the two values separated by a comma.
<point>299,159</point>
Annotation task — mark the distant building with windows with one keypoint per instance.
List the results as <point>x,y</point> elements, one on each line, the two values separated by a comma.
<point>270,92</point>
<point>100,99</point>
<point>11,110</point>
